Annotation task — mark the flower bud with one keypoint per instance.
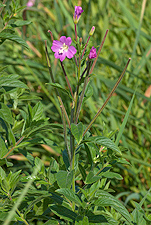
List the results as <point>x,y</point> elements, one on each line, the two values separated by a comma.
<point>92,54</point>
<point>80,40</point>
<point>77,13</point>
<point>92,31</point>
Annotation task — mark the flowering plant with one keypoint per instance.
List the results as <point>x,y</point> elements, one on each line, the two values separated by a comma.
<point>75,187</point>
<point>80,138</point>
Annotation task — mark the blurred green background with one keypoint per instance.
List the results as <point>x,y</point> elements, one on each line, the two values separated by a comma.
<point>129,24</point>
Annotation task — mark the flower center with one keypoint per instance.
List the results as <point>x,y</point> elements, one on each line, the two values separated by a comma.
<point>63,48</point>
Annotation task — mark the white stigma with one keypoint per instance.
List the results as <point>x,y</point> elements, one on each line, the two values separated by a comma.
<point>63,48</point>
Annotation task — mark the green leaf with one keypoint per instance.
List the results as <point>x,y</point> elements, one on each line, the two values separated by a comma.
<point>77,131</point>
<point>63,212</point>
<point>4,215</point>
<point>25,97</point>
<point>93,149</point>
<point>37,111</point>
<point>2,162</point>
<point>7,35</point>
<point>3,149</point>
<point>58,86</point>
<point>20,23</point>
<point>112,175</point>
<point>64,178</point>
<point>2,174</point>
<point>70,195</point>
<point>88,93</point>
<point>51,222</point>
<point>2,5</point>
<point>61,177</point>
<point>104,141</point>
<point>12,81</point>
<point>5,113</point>
<point>106,199</point>
<point>91,178</point>
<point>69,179</point>
<point>85,221</point>
<point>14,178</point>
<point>138,217</point>
<point>82,171</point>
<point>103,219</point>
<point>2,68</point>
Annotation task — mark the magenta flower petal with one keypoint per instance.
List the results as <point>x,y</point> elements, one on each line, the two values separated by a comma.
<point>63,49</point>
<point>71,51</point>
<point>92,53</point>
<point>61,57</point>
<point>63,39</point>
<point>56,46</point>
<point>68,41</point>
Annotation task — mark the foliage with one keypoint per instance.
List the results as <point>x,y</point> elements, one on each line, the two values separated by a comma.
<point>53,173</point>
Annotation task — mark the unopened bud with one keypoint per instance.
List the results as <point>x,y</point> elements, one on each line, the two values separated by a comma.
<point>80,40</point>
<point>77,13</point>
<point>92,31</point>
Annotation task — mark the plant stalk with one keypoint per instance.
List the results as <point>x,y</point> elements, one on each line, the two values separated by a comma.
<point>82,94</point>
<point>67,80</point>
<point>108,98</point>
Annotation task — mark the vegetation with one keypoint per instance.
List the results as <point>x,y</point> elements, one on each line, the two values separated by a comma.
<point>51,170</point>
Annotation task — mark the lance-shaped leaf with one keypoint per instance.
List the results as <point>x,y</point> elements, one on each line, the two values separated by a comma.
<point>77,131</point>
<point>70,195</point>
<point>106,199</point>
<point>13,37</point>
<point>104,141</point>
<point>63,212</point>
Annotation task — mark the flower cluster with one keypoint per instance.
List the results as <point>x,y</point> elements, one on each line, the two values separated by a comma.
<point>63,48</point>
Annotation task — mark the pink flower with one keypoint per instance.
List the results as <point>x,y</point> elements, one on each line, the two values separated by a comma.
<point>63,49</point>
<point>92,54</point>
<point>30,3</point>
<point>77,13</point>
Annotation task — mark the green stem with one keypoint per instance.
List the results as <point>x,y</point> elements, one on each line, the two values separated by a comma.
<point>22,217</point>
<point>73,182</point>
<point>77,89</point>
<point>72,149</point>
<point>108,98</point>
<point>68,83</point>
<point>13,147</point>
<point>82,94</point>
<point>65,134</point>
<point>64,110</point>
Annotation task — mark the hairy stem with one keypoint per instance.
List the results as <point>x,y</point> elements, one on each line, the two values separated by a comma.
<point>108,98</point>
<point>85,47</point>
<point>98,53</point>
<point>82,94</point>
<point>68,83</point>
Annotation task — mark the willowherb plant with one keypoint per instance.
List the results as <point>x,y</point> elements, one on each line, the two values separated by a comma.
<point>75,188</point>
